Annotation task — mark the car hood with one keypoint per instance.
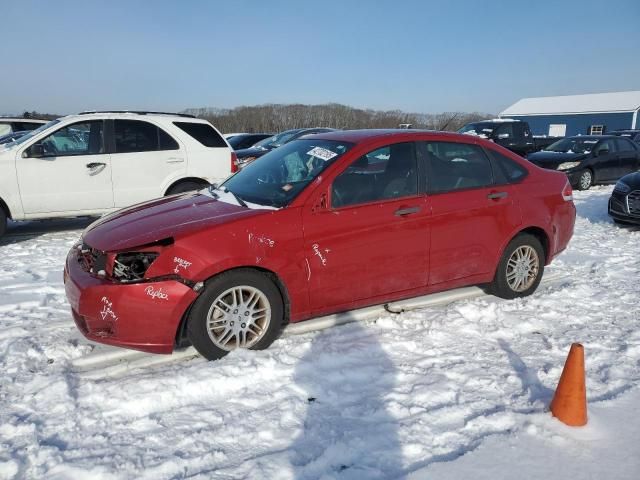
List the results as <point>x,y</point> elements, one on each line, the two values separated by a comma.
<point>632,179</point>
<point>162,218</point>
<point>251,152</point>
<point>555,157</point>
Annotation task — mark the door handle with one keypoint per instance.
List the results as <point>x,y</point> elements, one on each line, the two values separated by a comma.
<point>175,160</point>
<point>96,164</point>
<point>497,195</point>
<point>401,212</point>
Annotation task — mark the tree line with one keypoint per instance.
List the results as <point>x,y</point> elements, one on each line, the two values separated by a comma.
<point>278,117</point>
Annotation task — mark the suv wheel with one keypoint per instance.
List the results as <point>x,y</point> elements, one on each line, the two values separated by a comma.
<point>520,269</point>
<point>237,309</point>
<point>183,187</point>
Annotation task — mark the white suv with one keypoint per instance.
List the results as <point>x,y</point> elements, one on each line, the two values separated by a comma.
<point>97,162</point>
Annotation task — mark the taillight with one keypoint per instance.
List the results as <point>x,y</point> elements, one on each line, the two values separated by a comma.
<point>567,192</point>
<point>234,162</point>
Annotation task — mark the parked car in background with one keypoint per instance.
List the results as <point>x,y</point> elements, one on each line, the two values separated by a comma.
<point>10,137</point>
<point>246,140</point>
<point>12,125</point>
<point>633,135</point>
<point>514,135</point>
<point>624,203</point>
<point>96,162</point>
<point>259,149</point>
<point>309,229</point>
<point>590,159</point>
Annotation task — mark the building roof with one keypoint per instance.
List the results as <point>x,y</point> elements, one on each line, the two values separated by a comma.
<point>590,103</point>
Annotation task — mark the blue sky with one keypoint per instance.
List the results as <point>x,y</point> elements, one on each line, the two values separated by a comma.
<point>418,56</point>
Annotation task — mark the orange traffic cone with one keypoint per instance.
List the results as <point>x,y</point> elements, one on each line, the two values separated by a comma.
<point>569,404</point>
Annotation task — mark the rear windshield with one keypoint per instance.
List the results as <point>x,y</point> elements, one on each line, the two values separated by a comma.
<point>203,133</point>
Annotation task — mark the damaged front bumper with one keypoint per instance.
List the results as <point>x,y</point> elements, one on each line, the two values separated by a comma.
<point>143,316</point>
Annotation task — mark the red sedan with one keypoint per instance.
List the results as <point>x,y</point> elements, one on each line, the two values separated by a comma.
<point>326,223</point>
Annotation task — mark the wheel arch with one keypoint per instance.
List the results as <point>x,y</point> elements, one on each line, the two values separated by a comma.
<point>181,340</point>
<point>183,180</point>
<point>538,232</point>
<point>542,236</point>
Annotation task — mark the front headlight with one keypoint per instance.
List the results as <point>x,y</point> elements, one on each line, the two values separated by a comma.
<point>621,187</point>
<point>568,165</point>
<point>132,266</point>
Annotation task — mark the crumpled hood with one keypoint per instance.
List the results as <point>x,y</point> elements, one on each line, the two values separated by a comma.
<point>161,218</point>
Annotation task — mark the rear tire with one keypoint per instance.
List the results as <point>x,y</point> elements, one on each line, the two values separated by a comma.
<point>238,309</point>
<point>586,180</point>
<point>520,269</point>
<point>183,187</point>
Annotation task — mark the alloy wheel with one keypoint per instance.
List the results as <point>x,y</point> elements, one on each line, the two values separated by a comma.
<point>585,180</point>
<point>238,318</point>
<point>523,267</point>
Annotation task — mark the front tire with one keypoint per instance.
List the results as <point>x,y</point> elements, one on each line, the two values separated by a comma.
<point>237,309</point>
<point>520,269</point>
<point>586,180</point>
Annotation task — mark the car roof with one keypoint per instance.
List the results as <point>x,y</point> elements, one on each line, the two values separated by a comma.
<point>357,136</point>
<point>23,120</point>
<point>133,115</point>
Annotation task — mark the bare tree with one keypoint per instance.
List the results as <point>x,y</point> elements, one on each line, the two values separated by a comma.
<point>278,117</point>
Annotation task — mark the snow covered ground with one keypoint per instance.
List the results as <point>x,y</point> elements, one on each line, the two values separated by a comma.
<point>457,391</point>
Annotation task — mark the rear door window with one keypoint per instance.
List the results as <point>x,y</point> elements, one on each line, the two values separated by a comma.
<point>456,166</point>
<point>203,133</point>
<point>507,168</point>
<point>137,136</point>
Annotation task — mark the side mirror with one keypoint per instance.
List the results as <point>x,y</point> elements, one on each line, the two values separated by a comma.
<point>36,151</point>
<point>601,151</point>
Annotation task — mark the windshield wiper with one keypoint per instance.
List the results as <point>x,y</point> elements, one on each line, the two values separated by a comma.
<point>212,192</point>
<point>238,199</point>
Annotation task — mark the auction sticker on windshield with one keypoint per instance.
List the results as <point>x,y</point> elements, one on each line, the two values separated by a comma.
<point>322,153</point>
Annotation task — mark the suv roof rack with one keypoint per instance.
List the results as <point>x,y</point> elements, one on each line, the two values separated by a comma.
<point>138,112</point>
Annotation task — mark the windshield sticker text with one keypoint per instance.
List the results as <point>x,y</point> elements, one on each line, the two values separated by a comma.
<point>322,153</point>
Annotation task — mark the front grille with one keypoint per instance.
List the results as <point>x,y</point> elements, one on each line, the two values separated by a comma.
<point>633,202</point>
<point>91,260</point>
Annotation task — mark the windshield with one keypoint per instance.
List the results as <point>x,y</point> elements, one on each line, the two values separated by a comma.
<point>484,129</point>
<point>277,140</point>
<point>572,145</point>
<point>32,133</point>
<point>277,177</point>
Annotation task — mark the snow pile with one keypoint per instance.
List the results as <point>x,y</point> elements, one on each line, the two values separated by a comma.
<point>403,394</point>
